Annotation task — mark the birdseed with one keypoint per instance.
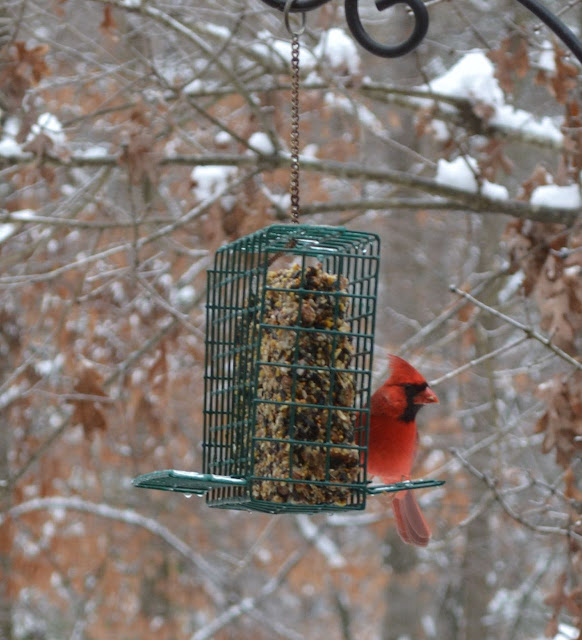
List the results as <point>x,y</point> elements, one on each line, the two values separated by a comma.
<point>306,340</point>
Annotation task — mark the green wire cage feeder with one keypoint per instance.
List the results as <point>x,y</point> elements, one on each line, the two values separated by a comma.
<point>290,321</point>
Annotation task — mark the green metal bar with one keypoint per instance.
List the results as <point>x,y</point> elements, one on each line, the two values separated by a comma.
<point>311,443</point>
<point>306,404</point>
<point>185,481</point>
<point>317,483</point>
<point>331,332</point>
<point>403,486</point>
<point>235,329</point>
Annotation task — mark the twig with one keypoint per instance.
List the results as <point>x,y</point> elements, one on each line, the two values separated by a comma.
<point>492,486</point>
<point>527,589</point>
<point>342,605</point>
<point>189,216</point>
<point>472,202</point>
<point>175,313</point>
<point>529,331</point>
<point>77,224</point>
<point>39,451</point>
<point>485,442</point>
<point>248,604</point>
<point>325,545</point>
<point>128,516</point>
<point>476,361</point>
<point>417,339</point>
<point>280,628</point>
<point>126,365</point>
<point>123,367</point>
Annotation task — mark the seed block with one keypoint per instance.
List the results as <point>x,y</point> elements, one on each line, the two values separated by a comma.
<point>305,420</point>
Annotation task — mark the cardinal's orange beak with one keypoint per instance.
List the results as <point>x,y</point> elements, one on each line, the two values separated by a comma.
<point>427,396</point>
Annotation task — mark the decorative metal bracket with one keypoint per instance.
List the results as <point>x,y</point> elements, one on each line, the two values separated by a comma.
<point>421,23</point>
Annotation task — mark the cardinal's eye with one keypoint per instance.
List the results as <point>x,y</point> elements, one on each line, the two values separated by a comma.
<point>412,389</point>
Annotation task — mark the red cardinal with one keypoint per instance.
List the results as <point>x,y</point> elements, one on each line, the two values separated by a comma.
<point>393,440</point>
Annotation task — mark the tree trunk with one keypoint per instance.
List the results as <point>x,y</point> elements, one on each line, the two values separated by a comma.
<point>475,593</point>
<point>5,538</point>
<point>402,593</point>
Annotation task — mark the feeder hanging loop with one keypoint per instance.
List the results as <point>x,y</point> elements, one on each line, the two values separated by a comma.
<point>294,33</point>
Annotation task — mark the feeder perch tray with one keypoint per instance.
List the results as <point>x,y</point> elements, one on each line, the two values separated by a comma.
<point>290,317</point>
<point>191,482</point>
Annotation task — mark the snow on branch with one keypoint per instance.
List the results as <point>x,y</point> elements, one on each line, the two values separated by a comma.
<point>473,78</point>
<point>474,199</point>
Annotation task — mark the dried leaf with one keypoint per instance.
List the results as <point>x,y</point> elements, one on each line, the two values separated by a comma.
<point>562,420</point>
<point>510,59</point>
<point>138,154</point>
<point>573,602</point>
<point>423,121</point>
<point>538,178</point>
<point>21,68</point>
<point>484,111</point>
<point>40,145</point>
<point>88,412</point>
<point>108,24</point>
<point>558,596</point>
<point>565,78</point>
<point>494,160</point>
<point>521,59</point>
<point>573,138</point>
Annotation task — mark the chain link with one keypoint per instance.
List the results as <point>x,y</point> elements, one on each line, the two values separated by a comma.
<point>294,142</point>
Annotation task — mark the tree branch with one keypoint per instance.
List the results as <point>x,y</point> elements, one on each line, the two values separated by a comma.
<point>248,604</point>
<point>492,486</point>
<point>529,331</point>
<point>127,516</point>
<point>457,198</point>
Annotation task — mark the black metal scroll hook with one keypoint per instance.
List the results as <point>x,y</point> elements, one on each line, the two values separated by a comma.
<point>421,22</point>
<point>552,21</point>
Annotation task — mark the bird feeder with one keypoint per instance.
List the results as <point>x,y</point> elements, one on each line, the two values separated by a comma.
<point>290,318</point>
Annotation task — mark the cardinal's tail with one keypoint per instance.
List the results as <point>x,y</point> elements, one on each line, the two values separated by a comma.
<point>411,524</point>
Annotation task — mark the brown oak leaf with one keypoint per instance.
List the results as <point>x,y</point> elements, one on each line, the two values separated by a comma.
<point>88,410</point>
<point>562,421</point>
<point>511,60</point>
<point>21,68</point>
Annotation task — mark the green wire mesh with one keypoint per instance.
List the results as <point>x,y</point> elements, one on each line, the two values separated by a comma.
<point>289,344</point>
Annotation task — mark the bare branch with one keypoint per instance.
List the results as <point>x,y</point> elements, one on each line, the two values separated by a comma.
<point>529,331</point>
<point>492,485</point>
<point>476,361</point>
<point>456,199</point>
<point>248,604</point>
<point>127,516</point>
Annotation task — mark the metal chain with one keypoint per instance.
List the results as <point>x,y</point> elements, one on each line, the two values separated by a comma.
<point>294,186</point>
